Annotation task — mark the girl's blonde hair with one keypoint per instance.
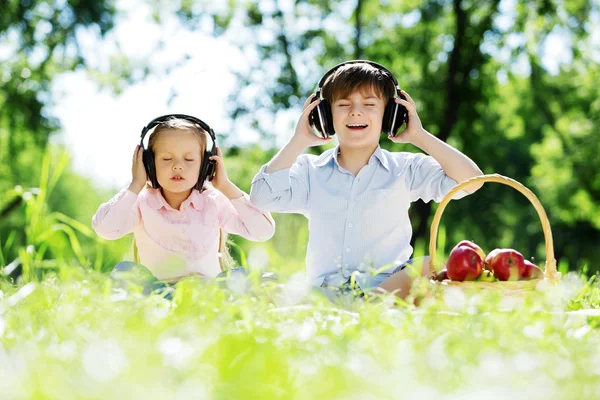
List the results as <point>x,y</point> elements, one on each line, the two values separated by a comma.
<point>225,259</point>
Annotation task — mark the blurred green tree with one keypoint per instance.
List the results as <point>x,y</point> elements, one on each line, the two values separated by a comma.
<point>476,72</point>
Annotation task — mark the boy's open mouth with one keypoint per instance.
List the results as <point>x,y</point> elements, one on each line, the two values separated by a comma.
<point>356,127</point>
<point>177,178</point>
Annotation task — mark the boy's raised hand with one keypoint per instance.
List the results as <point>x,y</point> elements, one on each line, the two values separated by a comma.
<point>304,136</point>
<point>138,171</point>
<point>414,126</point>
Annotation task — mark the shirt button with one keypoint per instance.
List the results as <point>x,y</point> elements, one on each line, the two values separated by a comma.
<point>350,225</point>
<point>348,250</point>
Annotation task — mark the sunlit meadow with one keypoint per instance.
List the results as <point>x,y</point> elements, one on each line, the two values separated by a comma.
<point>76,335</point>
<point>70,332</point>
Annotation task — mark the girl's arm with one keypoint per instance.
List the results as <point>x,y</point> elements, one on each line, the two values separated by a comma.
<point>240,217</point>
<point>235,212</point>
<point>117,217</point>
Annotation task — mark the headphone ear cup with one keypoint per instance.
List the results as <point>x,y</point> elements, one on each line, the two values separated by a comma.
<point>211,169</point>
<point>388,116</point>
<point>328,118</point>
<point>148,159</point>
<point>394,116</point>
<point>207,170</point>
<point>402,116</point>
<point>316,115</point>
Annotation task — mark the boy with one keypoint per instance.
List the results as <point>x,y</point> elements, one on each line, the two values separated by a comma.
<point>356,196</point>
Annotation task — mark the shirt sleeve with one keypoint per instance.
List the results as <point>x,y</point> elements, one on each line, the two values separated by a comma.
<point>426,180</point>
<point>240,217</point>
<point>286,190</point>
<point>117,217</point>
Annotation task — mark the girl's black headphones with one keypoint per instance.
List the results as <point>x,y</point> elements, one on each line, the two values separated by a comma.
<point>394,115</point>
<point>208,166</point>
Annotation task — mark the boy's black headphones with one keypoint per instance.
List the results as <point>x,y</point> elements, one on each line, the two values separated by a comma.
<point>208,166</point>
<point>394,115</point>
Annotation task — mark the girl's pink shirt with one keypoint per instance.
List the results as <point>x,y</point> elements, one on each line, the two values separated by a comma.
<point>176,243</point>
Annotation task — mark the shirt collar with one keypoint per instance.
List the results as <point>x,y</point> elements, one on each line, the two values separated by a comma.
<point>327,157</point>
<point>381,157</point>
<point>155,199</point>
<point>195,200</point>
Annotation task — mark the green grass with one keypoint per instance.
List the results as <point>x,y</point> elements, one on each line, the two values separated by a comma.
<point>74,336</point>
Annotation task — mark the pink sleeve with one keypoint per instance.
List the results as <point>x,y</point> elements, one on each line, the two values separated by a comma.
<point>117,217</point>
<point>240,217</point>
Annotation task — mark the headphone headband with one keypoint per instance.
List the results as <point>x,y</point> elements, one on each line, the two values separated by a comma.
<point>164,118</point>
<point>207,168</point>
<point>380,67</point>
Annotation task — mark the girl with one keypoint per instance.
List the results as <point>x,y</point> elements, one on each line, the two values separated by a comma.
<point>178,218</point>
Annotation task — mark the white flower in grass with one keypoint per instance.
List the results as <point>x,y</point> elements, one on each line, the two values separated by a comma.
<point>258,258</point>
<point>455,298</point>
<point>535,331</point>
<point>294,291</point>
<point>436,354</point>
<point>176,352</point>
<point>525,362</point>
<point>510,303</point>
<point>237,282</point>
<point>104,360</point>
<point>492,365</point>
<point>307,330</point>
<point>563,369</point>
<point>193,389</point>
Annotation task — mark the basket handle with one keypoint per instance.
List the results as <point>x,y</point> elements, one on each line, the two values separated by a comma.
<point>550,266</point>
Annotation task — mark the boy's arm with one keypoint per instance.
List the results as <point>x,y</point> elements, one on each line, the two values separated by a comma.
<point>302,139</point>
<point>282,184</point>
<point>286,190</point>
<point>454,163</point>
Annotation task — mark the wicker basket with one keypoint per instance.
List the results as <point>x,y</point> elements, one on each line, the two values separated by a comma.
<point>550,273</point>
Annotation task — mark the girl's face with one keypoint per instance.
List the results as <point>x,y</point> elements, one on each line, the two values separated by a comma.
<point>177,156</point>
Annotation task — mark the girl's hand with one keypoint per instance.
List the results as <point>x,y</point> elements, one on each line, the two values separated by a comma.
<point>304,136</point>
<point>414,126</point>
<point>138,171</point>
<point>220,181</point>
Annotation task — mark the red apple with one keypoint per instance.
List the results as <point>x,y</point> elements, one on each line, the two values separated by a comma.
<point>464,264</point>
<point>487,261</point>
<point>531,271</point>
<point>472,245</point>
<point>508,264</point>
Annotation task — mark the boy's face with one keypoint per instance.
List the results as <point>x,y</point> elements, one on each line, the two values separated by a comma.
<point>177,160</point>
<point>357,118</point>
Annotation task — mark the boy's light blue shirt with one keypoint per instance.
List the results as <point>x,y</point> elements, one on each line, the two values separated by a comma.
<point>355,223</point>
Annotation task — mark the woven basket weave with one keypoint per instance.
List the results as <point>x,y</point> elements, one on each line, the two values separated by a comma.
<point>551,275</point>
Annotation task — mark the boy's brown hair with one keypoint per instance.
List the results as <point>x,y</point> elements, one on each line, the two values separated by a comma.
<point>362,77</point>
